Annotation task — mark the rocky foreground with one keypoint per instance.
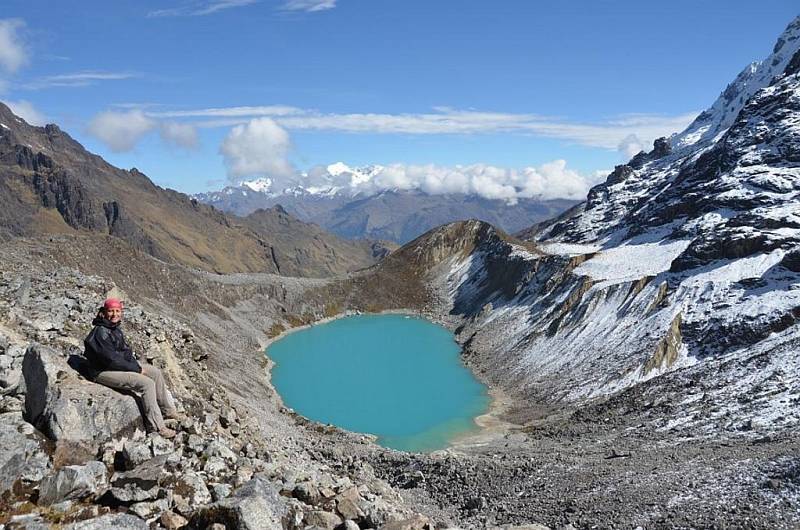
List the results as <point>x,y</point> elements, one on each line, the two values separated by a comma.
<point>74,454</point>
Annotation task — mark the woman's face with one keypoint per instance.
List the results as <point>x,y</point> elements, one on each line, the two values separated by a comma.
<point>114,315</point>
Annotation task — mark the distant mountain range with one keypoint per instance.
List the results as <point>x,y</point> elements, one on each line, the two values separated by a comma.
<point>335,203</point>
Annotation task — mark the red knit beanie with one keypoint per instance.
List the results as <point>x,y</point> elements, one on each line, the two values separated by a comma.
<point>112,303</point>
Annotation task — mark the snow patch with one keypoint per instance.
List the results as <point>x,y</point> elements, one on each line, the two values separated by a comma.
<point>631,262</point>
<point>568,249</point>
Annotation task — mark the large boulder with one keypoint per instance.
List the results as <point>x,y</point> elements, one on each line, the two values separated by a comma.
<point>73,482</point>
<point>23,452</point>
<point>66,407</point>
<point>256,505</point>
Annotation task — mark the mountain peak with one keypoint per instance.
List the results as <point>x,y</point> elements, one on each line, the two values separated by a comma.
<point>714,121</point>
<point>338,168</point>
<point>260,185</point>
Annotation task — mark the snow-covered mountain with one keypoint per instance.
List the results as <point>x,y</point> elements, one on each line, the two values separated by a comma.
<point>685,263</point>
<point>335,179</point>
<point>340,199</point>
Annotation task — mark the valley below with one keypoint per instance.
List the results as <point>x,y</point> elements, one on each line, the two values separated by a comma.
<point>642,457</point>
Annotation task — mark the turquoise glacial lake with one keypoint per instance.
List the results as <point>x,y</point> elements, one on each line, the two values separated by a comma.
<point>394,376</point>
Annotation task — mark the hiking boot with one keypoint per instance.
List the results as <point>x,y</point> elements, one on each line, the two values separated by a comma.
<point>167,433</point>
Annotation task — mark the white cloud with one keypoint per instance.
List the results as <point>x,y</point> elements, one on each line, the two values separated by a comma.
<point>201,8</point>
<point>179,134</point>
<point>26,111</point>
<point>613,134</point>
<point>630,146</point>
<point>77,79</point>
<point>12,51</point>
<point>258,148</point>
<point>121,131</point>
<point>309,6</point>
<point>548,181</point>
<point>231,112</point>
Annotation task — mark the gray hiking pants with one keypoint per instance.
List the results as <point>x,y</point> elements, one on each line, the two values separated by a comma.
<point>150,385</point>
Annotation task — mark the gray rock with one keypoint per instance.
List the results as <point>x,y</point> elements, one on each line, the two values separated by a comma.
<point>16,350</point>
<point>209,421</point>
<point>72,483</point>
<point>418,522</point>
<point>149,510</point>
<point>195,443</point>
<point>23,453</point>
<point>11,404</point>
<point>135,453</point>
<point>256,505</point>
<point>243,475</point>
<point>173,521</point>
<point>10,371</point>
<point>53,321</point>
<point>308,493</point>
<point>227,417</point>
<point>220,491</point>
<point>28,521</point>
<point>191,487</point>
<point>191,426</point>
<point>111,521</point>
<point>160,445</point>
<point>5,362</point>
<point>215,466</point>
<point>220,450</point>
<point>66,407</point>
<point>350,525</point>
<point>140,484</point>
<point>323,519</point>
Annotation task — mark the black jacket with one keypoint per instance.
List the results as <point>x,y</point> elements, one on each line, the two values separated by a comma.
<point>106,349</point>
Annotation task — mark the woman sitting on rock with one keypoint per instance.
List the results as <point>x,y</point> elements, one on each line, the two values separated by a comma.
<point>112,364</point>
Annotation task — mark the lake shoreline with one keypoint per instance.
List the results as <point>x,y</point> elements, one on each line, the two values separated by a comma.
<point>490,425</point>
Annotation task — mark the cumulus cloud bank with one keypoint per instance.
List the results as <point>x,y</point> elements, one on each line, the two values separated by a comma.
<point>258,148</point>
<point>122,130</point>
<point>548,181</point>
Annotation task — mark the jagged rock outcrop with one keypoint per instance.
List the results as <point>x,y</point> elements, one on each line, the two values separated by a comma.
<point>67,408</point>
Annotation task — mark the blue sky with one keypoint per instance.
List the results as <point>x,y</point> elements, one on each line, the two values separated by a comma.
<point>299,83</point>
